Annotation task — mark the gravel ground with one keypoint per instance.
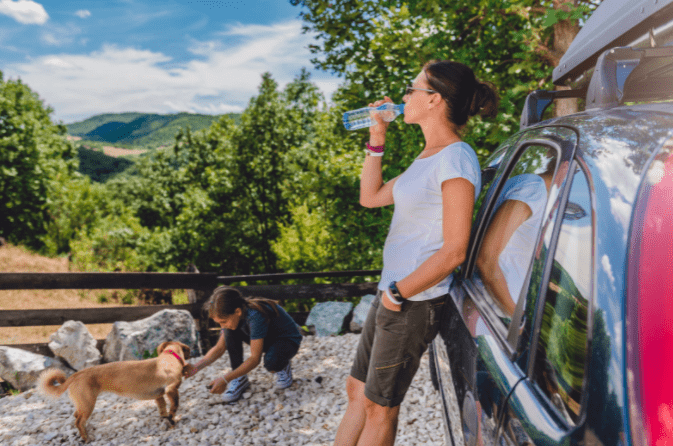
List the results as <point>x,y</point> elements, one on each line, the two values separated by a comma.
<point>308,413</point>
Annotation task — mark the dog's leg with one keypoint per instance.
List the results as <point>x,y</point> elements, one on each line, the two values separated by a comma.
<point>174,398</point>
<point>84,399</point>
<point>163,413</point>
<point>82,414</point>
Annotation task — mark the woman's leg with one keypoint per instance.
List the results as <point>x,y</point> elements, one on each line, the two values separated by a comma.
<point>381,425</point>
<point>353,420</point>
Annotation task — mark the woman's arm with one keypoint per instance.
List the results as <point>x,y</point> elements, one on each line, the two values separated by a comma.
<point>457,205</point>
<point>213,355</point>
<point>509,216</point>
<point>373,191</point>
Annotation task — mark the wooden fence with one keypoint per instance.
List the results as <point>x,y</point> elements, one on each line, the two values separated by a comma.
<point>199,286</point>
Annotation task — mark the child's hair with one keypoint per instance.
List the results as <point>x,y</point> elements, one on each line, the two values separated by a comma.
<point>464,94</point>
<point>225,300</point>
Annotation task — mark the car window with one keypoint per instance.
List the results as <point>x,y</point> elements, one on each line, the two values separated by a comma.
<point>508,243</point>
<point>560,359</point>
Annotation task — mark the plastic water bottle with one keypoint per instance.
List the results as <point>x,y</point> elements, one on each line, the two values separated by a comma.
<point>361,118</point>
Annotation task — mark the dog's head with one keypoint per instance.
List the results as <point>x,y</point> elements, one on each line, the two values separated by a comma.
<point>176,345</point>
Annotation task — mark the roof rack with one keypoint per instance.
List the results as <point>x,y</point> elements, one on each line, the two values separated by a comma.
<point>626,74</point>
<point>538,101</point>
<point>622,74</point>
<point>615,23</point>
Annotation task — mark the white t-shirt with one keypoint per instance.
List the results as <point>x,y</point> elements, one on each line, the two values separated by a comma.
<point>416,229</point>
<point>515,258</point>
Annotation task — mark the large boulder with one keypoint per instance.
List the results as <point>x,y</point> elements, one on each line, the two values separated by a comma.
<point>360,313</point>
<point>329,318</point>
<point>73,343</point>
<point>139,339</point>
<point>22,368</point>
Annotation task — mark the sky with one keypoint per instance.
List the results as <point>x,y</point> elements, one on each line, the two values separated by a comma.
<point>85,58</point>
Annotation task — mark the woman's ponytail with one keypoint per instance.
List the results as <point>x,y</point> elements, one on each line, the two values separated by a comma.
<point>484,101</point>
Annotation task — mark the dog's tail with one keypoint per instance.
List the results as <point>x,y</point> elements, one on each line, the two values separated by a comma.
<point>47,379</point>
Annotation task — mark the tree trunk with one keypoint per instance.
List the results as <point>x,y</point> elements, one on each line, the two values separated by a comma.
<point>564,33</point>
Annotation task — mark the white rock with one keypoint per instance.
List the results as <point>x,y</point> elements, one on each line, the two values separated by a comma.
<point>136,340</point>
<point>360,313</point>
<point>21,368</point>
<point>73,342</point>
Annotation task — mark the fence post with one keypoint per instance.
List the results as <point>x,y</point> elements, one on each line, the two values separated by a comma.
<point>197,298</point>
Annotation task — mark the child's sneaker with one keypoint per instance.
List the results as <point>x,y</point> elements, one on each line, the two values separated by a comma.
<point>284,377</point>
<point>235,390</point>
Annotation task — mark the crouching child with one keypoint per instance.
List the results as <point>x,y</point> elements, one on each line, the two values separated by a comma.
<point>261,323</point>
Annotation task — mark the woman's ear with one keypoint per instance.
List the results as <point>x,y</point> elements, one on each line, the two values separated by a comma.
<point>435,100</point>
<point>238,312</point>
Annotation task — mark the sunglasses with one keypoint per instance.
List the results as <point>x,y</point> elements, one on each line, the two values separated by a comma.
<point>411,89</point>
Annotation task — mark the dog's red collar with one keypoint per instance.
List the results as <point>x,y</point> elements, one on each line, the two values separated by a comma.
<point>182,361</point>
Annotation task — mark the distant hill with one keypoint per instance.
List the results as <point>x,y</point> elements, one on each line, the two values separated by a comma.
<point>100,167</point>
<point>140,129</point>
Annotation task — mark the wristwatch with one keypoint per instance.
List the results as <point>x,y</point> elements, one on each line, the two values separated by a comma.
<point>397,297</point>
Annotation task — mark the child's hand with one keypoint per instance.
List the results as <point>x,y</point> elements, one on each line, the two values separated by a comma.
<point>189,370</point>
<point>218,386</point>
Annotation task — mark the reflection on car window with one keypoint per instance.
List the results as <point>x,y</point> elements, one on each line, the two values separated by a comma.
<point>509,241</point>
<point>562,346</point>
<point>487,177</point>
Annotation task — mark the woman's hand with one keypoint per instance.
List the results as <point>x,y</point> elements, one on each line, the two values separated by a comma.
<point>388,304</point>
<point>377,132</point>
<point>189,370</point>
<point>218,386</point>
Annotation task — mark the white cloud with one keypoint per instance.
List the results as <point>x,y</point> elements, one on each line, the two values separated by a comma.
<point>27,12</point>
<point>83,13</point>
<point>619,178</point>
<point>220,78</point>
<point>59,35</point>
<point>607,267</point>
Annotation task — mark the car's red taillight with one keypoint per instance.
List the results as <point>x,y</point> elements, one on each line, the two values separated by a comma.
<point>650,309</point>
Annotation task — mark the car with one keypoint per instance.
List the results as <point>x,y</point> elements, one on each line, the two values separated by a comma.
<point>559,330</point>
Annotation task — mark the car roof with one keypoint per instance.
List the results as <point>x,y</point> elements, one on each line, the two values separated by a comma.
<point>613,23</point>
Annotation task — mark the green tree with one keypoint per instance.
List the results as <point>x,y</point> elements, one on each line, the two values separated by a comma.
<point>215,199</point>
<point>34,155</point>
<point>74,212</point>
<point>379,46</point>
<point>326,218</point>
<point>272,126</point>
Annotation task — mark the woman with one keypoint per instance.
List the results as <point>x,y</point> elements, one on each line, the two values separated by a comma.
<point>264,325</point>
<point>427,240</point>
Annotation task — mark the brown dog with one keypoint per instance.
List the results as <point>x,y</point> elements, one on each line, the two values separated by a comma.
<point>144,380</point>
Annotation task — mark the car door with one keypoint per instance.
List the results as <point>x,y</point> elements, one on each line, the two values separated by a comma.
<point>511,214</point>
<point>548,405</point>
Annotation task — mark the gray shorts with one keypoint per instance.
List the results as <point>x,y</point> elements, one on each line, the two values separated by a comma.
<point>391,346</point>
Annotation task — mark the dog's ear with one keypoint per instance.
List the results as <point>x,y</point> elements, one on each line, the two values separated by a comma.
<point>161,347</point>
<point>185,350</point>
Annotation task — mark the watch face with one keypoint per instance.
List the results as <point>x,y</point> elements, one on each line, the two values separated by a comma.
<point>394,290</point>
